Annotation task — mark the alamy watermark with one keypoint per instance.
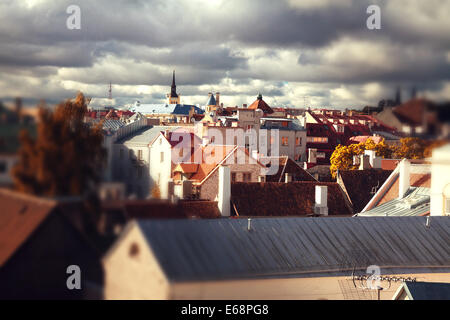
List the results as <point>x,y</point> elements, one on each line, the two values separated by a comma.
<point>373,22</point>
<point>73,21</point>
<point>74,280</point>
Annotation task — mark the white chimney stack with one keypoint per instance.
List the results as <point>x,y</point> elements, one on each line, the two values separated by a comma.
<point>321,206</point>
<point>375,162</point>
<point>404,178</point>
<point>287,177</point>
<point>224,195</point>
<point>364,162</point>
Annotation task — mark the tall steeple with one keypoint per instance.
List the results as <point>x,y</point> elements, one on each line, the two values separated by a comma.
<point>173,96</point>
<point>173,91</point>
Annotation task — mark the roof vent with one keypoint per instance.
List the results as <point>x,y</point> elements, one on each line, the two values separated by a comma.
<point>249,224</point>
<point>428,222</point>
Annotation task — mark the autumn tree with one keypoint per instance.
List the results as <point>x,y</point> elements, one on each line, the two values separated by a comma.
<point>66,157</point>
<point>342,157</point>
<point>410,148</point>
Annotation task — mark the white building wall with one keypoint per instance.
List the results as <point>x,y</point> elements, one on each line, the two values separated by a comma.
<point>440,180</point>
<point>160,171</point>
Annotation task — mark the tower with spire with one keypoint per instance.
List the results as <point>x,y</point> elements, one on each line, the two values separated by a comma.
<point>173,97</point>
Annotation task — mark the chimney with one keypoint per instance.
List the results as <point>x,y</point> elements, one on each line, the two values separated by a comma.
<point>224,194</point>
<point>217,98</point>
<point>312,155</point>
<point>287,177</point>
<point>364,162</point>
<point>321,205</point>
<point>404,178</point>
<point>375,162</point>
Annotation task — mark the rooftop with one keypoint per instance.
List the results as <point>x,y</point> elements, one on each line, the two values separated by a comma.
<point>145,136</point>
<point>220,249</point>
<point>175,109</point>
<point>415,203</point>
<point>285,199</point>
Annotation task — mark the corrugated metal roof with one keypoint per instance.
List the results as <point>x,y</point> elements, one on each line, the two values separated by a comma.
<point>145,136</point>
<point>177,109</point>
<point>282,247</point>
<point>415,203</point>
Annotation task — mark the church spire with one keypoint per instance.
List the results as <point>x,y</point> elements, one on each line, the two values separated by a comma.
<point>173,91</point>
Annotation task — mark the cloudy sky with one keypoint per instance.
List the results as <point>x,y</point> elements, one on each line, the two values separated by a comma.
<point>293,51</point>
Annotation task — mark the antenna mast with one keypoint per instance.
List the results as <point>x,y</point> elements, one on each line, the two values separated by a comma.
<point>110,95</point>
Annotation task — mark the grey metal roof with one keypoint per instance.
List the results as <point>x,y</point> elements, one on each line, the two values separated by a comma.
<point>415,203</point>
<point>145,136</point>
<point>211,101</point>
<point>298,247</point>
<point>427,290</point>
<point>109,125</point>
<point>176,109</point>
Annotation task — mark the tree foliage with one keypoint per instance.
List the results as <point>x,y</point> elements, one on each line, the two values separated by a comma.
<point>342,157</point>
<point>409,148</point>
<point>66,157</point>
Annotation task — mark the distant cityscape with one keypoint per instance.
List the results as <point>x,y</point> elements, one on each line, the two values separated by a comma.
<point>287,195</point>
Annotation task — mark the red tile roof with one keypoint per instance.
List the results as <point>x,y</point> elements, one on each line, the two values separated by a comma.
<point>287,165</point>
<point>259,103</point>
<point>21,216</point>
<point>285,199</point>
<point>164,209</point>
<point>413,111</point>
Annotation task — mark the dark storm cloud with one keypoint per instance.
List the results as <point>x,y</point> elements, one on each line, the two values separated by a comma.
<point>139,42</point>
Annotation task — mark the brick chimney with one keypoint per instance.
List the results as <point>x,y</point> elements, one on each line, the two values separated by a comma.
<point>224,195</point>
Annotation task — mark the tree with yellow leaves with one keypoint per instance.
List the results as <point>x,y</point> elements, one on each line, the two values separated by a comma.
<point>342,157</point>
<point>410,148</point>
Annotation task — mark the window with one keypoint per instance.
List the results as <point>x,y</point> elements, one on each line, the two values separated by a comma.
<point>162,157</point>
<point>140,154</point>
<point>180,152</point>
<point>317,139</point>
<point>298,141</point>
<point>284,141</point>
<point>233,177</point>
<point>247,177</point>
